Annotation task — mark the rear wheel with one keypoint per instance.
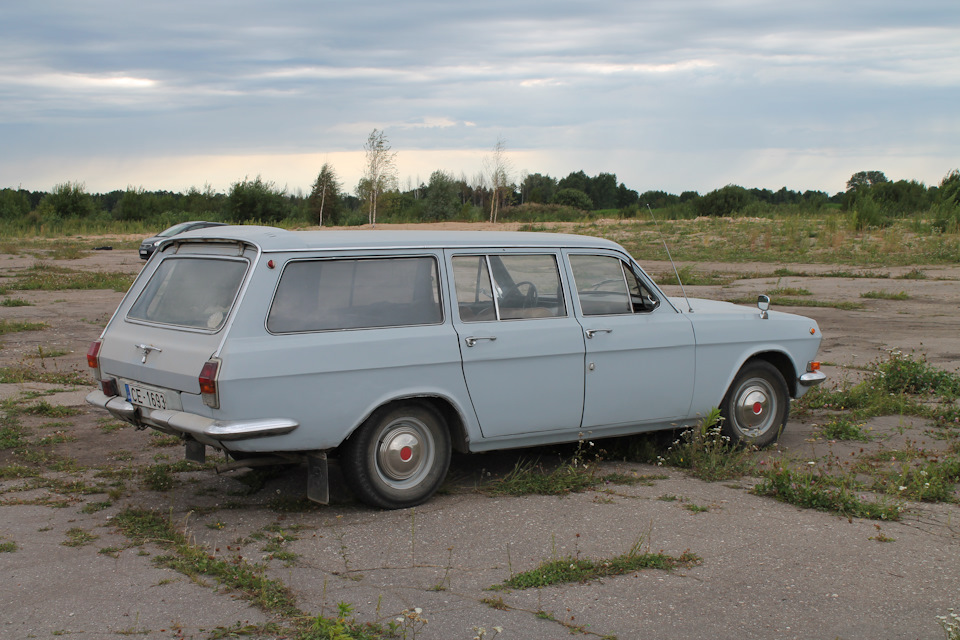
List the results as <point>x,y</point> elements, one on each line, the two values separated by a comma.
<point>756,406</point>
<point>399,457</point>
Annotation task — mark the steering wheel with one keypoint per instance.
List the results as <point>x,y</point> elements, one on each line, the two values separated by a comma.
<point>530,298</point>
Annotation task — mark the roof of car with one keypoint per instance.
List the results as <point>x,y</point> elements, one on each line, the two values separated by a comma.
<point>272,239</point>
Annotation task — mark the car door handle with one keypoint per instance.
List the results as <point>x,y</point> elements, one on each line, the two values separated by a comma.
<point>590,332</point>
<point>472,340</point>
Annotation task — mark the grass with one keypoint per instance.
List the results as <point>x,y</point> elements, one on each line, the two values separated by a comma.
<point>15,302</point>
<point>843,428</point>
<point>21,374</point>
<point>77,537</point>
<point>17,326</point>
<point>843,305</point>
<point>842,495</point>
<point>885,295</point>
<point>575,569</point>
<point>706,453</point>
<point>47,277</point>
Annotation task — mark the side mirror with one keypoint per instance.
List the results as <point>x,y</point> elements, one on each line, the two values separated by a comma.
<point>763,303</point>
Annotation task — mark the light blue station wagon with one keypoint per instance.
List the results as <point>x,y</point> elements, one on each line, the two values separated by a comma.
<point>389,349</point>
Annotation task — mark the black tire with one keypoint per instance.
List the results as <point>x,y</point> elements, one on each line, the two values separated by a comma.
<point>399,457</point>
<point>756,406</point>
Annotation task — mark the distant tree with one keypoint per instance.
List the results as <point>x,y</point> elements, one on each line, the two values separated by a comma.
<point>626,197</point>
<point>136,204</point>
<point>325,196</point>
<point>256,200</point>
<point>724,201</point>
<point>573,198</point>
<point>443,197</point>
<point>498,170</point>
<point>14,204</point>
<point>206,204</point>
<point>538,188</point>
<point>381,171</point>
<point>602,190</point>
<point>865,179</point>
<point>67,200</point>
<point>575,180</point>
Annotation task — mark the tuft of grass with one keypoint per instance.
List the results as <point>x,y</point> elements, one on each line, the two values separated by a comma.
<point>8,546</point>
<point>77,537</point>
<point>843,305</point>
<point>528,477</point>
<point>20,374</point>
<point>843,428</point>
<point>570,569</point>
<point>707,453</point>
<point>15,302</point>
<point>47,277</point>
<point>47,410</point>
<point>821,491</point>
<point>885,295</point>
<point>17,326</point>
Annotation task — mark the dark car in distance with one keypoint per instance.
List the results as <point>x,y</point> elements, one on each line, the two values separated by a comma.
<point>148,246</point>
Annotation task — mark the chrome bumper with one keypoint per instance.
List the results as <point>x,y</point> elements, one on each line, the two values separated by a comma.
<point>811,378</point>
<point>201,427</point>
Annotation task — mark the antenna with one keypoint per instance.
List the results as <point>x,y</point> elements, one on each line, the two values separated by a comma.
<point>672,263</point>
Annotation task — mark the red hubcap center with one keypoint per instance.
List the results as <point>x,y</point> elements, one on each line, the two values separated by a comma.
<point>406,453</point>
<point>757,408</point>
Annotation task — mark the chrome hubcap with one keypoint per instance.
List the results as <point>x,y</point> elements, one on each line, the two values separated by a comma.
<point>755,408</point>
<point>404,453</point>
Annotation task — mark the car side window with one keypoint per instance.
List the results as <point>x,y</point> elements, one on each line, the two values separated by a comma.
<point>508,287</point>
<point>327,295</point>
<point>608,286</point>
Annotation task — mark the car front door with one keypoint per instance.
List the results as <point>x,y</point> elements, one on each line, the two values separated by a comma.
<point>522,349</point>
<point>640,352</point>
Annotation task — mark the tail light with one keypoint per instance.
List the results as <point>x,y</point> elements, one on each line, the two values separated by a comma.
<point>208,383</point>
<point>93,358</point>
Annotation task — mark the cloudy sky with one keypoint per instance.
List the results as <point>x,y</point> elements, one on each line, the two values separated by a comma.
<point>668,94</point>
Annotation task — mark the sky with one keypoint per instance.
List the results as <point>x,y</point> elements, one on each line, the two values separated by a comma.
<point>669,95</point>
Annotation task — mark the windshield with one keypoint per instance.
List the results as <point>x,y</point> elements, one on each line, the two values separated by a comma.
<point>190,292</point>
<point>174,230</point>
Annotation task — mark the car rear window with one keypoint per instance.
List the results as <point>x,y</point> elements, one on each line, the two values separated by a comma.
<point>190,292</point>
<point>328,295</point>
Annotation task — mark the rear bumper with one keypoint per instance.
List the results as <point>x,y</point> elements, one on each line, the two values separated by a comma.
<point>202,428</point>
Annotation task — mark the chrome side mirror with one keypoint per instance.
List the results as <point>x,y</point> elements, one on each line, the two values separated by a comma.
<point>763,303</point>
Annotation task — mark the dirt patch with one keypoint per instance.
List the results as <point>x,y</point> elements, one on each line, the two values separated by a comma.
<point>769,570</point>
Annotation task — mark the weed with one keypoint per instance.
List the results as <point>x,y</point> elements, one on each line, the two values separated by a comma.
<point>19,375</point>
<point>15,302</point>
<point>47,277</point>
<point>8,547</point>
<point>16,326</point>
<point>695,508</point>
<point>158,478</point>
<point>843,428</point>
<point>950,624</point>
<point>77,537</point>
<point>885,295</point>
<point>881,536</point>
<point>47,410</point>
<point>707,453</point>
<point>528,478</point>
<point>577,569</point>
<point>821,491</point>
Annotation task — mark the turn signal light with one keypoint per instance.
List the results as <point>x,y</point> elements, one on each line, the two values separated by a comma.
<point>813,366</point>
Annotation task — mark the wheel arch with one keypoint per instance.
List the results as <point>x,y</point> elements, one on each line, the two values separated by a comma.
<point>783,363</point>
<point>452,418</point>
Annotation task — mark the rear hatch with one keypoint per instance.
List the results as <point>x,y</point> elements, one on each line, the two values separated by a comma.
<point>173,320</point>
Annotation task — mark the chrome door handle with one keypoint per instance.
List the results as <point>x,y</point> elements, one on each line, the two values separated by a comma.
<point>590,332</point>
<point>472,340</point>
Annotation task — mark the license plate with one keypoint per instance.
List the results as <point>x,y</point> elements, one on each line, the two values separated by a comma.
<point>147,397</point>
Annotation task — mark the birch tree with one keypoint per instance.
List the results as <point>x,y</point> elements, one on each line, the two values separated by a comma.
<point>498,170</point>
<point>325,194</point>
<point>381,171</point>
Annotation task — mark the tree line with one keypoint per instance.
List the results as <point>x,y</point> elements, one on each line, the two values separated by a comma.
<point>493,194</point>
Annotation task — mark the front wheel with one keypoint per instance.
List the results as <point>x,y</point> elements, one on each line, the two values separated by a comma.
<point>756,406</point>
<point>399,457</point>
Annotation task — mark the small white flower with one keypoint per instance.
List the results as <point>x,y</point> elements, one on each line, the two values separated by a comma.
<point>902,488</point>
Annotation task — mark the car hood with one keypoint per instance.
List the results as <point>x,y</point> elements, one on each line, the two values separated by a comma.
<point>702,305</point>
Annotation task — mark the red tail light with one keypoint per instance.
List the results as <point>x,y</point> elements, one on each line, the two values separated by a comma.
<point>93,358</point>
<point>208,383</point>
